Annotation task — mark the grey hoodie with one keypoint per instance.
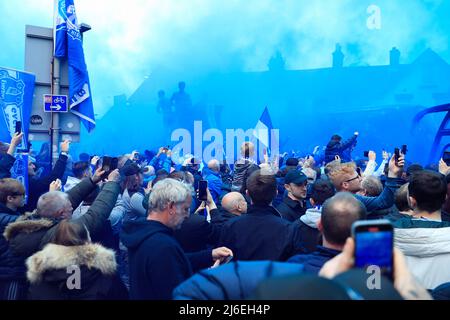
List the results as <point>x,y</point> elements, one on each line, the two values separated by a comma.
<point>311,217</point>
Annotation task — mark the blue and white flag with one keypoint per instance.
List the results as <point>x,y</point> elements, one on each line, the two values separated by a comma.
<point>263,128</point>
<point>16,100</point>
<point>68,44</point>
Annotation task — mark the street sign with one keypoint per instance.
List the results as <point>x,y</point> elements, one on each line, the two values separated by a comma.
<point>55,103</point>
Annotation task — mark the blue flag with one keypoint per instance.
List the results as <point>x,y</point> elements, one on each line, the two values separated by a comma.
<point>68,44</point>
<point>16,99</point>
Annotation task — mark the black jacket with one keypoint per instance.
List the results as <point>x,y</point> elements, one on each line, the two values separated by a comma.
<point>261,234</point>
<point>11,267</point>
<point>157,262</point>
<point>32,233</point>
<point>51,271</point>
<point>6,163</point>
<point>197,234</point>
<point>310,237</point>
<point>291,210</point>
<point>39,186</point>
<point>314,261</point>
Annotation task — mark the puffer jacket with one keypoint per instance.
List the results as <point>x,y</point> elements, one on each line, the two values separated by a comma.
<point>232,281</point>
<point>426,246</point>
<point>50,270</point>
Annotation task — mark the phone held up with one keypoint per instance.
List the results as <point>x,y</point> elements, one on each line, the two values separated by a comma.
<point>202,193</point>
<point>374,246</point>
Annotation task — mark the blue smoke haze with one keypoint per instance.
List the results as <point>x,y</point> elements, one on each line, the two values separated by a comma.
<point>222,49</point>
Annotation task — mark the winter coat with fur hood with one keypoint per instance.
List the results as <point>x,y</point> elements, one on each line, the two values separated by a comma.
<point>30,233</point>
<point>86,272</point>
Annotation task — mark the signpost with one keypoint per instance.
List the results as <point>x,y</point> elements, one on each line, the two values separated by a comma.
<point>55,103</point>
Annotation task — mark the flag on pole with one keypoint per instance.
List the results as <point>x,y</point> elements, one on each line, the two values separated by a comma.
<point>68,44</point>
<point>263,128</point>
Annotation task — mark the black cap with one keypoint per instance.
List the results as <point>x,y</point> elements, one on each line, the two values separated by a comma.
<point>292,162</point>
<point>295,176</point>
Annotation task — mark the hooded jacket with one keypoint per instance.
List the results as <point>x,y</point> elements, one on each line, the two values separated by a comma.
<point>214,183</point>
<point>32,232</point>
<point>243,168</point>
<point>157,262</point>
<point>309,234</point>
<point>426,246</point>
<point>51,270</point>
<point>338,148</point>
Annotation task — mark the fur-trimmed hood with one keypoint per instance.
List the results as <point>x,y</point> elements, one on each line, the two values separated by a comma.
<point>57,257</point>
<point>26,223</point>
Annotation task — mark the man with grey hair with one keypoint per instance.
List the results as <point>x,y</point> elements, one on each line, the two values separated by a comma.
<point>32,232</point>
<point>157,262</point>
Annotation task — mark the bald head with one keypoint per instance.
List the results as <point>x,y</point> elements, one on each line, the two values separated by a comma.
<point>338,214</point>
<point>234,202</point>
<point>214,165</point>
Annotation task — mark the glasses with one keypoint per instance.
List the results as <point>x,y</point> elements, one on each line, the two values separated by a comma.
<point>357,177</point>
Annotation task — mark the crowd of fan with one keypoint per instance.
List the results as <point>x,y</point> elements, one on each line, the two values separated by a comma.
<point>140,231</point>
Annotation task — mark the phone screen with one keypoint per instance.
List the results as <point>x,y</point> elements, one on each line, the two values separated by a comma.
<point>106,166</point>
<point>374,247</point>
<point>446,157</point>
<point>202,186</point>
<point>18,126</point>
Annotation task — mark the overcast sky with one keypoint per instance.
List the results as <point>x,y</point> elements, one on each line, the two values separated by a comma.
<point>133,38</point>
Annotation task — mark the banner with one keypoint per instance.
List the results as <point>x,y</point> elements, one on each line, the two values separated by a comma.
<point>16,99</point>
<point>68,44</point>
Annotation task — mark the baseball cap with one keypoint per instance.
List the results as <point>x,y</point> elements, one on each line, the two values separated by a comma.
<point>295,176</point>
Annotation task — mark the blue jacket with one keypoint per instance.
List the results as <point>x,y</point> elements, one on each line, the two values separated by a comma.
<point>157,262</point>
<point>214,183</point>
<point>313,262</point>
<point>232,281</point>
<point>11,267</point>
<point>385,199</point>
<point>161,162</point>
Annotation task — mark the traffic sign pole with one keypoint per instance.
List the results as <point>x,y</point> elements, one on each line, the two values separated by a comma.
<point>54,130</point>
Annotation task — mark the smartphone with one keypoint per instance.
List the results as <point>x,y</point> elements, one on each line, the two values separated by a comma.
<point>114,164</point>
<point>374,245</point>
<point>18,126</point>
<point>446,157</point>
<point>106,166</point>
<point>202,194</point>
<point>366,154</point>
<point>404,149</point>
<point>397,154</point>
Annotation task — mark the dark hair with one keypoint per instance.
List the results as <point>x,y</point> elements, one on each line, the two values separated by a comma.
<point>79,168</point>
<point>10,187</point>
<point>69,233</point>
<point>262,188</point>
<point>429,188</point>
<point>401,198</point>
<point>322,190</point>
<point>338,215</point>
<point>336,137</point>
